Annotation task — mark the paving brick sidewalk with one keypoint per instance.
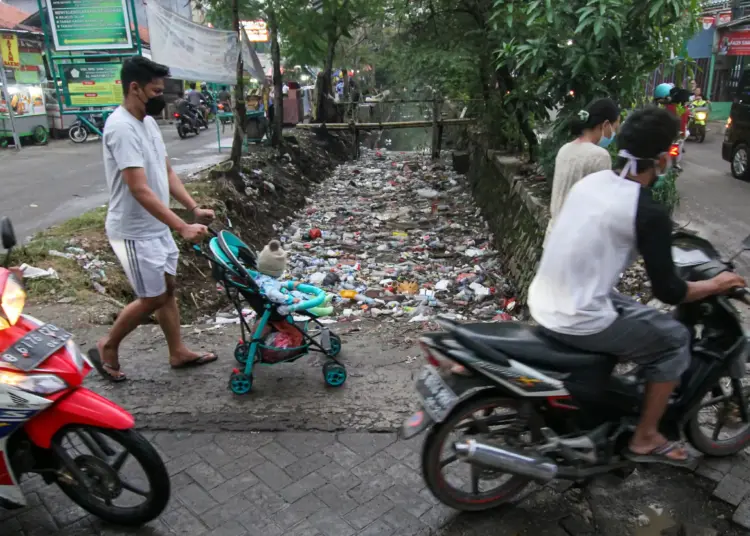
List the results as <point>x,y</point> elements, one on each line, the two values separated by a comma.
<point>321,484</point>
<point>234,484</point>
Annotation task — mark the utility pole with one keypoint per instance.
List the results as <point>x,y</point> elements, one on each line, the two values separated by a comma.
<point>6,96</point>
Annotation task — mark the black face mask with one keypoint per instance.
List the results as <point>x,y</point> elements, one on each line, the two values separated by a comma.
<point>155,105</point>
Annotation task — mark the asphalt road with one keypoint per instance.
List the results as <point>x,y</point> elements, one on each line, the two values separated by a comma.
<point>713,202</point>
<point>46,185</point>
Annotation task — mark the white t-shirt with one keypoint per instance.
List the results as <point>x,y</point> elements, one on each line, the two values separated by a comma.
<point>591,243</point>
<point>130,143</point>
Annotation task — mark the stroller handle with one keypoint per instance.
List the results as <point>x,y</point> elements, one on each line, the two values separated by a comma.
<point>320,296</point>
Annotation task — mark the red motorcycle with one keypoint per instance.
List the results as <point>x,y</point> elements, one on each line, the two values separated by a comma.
<point>52,426</point>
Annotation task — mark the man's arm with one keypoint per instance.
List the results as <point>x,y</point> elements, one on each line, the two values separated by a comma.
<point>178,190</point>
<point>654,236</point>
<point>180,193</point>
<point>135,178</point>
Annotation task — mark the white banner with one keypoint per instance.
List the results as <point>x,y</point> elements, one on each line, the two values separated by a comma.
<point>191,51</point>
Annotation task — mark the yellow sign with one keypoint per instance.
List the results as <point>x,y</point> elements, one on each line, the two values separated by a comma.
<point>257,30</point>
<point>9,45</point>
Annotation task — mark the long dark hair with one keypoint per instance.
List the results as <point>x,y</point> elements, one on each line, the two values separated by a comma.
<point>596,113</point>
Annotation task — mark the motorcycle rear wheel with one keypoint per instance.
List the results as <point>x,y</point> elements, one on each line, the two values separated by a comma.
<point>433,463</point>
<point>181,131</point>
<point>103,470</point>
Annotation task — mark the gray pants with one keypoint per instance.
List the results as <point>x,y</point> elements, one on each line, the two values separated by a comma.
<point>640,334</point>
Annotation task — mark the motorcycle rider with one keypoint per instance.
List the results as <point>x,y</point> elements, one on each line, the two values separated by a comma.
<point>208,99</point>
<point>608,218</point>
<point>670,97</point>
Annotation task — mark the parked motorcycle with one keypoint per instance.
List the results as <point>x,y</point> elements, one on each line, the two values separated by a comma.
<point>698,119</point>
<point>506,406</point>
<point>80,131</point>
<point>53,426</point>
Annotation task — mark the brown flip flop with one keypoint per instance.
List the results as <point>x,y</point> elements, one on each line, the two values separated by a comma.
<point>205,359</point>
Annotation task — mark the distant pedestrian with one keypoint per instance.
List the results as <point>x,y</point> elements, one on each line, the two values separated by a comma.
<point>139,220</point>
<point>595,128</point>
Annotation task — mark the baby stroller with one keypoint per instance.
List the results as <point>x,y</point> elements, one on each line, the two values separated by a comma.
<point>233,265</point>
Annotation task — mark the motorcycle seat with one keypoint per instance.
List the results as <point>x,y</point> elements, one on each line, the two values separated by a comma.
<point>528,344</point>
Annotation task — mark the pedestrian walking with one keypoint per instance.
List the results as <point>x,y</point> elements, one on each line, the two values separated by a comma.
<point>594,129</point>
<point>139,220</point>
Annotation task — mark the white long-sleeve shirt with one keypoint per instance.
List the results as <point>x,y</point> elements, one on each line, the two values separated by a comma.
<point>574,161</point>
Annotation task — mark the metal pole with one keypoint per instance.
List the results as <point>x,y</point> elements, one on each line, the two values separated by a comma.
<point>6,96</point>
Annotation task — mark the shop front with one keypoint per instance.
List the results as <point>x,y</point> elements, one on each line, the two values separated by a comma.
<point>25,73</point>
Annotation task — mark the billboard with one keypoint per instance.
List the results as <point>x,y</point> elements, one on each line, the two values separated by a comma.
<point>9,45</point>
<point>92,84</point>
<point>735,43</point>
<point>256,30</point>
<point>90,24</point>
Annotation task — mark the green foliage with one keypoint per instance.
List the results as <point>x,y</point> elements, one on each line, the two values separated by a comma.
<point>666,192</point>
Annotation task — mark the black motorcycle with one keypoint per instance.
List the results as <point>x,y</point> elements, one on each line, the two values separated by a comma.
<point>186,125</point>
<point>189,119</point>
<point>506,406</point>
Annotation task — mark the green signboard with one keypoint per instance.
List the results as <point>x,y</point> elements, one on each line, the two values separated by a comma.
<point>92,84</point>
<point>90,24</point>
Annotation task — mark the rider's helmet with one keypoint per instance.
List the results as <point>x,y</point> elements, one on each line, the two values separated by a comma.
<point>662,91</point>
<point>203,86</point>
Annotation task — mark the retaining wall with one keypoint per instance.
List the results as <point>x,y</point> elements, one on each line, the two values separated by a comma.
<point>516,208</point>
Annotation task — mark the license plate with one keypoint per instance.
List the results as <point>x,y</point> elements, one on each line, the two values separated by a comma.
<point>437,398</point>
<point>35,347</point>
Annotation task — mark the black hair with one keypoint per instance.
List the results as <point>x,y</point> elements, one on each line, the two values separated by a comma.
<point>596,113</point>
<point>223,88</point>
<point>192,85</point>
<point>142,71</point>
<point>646,134</point>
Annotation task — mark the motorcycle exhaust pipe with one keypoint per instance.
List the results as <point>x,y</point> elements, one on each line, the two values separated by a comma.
<point>506,460</point>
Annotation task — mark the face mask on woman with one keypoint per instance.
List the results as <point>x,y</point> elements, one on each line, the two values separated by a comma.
<point>605,141</point>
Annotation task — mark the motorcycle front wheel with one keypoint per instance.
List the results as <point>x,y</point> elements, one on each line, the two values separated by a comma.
<point>721,426</point>
<point>490,419</point>
<point>78,134</point>
<point>127,482</point>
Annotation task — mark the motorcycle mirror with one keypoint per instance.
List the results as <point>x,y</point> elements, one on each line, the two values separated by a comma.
<point>8,234</point>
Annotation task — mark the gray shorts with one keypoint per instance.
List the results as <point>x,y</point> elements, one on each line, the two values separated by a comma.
<point>146,261</point>
<point>640,334</point>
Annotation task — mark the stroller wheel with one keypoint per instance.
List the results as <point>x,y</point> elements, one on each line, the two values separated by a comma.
<point>240,383</point>
<point>335,342</point>
<point>241,352</point>
<point>334,374</point>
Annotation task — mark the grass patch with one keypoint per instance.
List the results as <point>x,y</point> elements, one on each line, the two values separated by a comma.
<point>85,232</point>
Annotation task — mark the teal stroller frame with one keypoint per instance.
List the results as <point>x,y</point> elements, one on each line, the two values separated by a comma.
<point>233,264</point>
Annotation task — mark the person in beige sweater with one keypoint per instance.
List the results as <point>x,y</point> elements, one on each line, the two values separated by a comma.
<point>594,128</point>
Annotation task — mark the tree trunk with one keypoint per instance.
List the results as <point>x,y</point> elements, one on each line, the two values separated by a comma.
<point>239,99</point>
<point>322,106</point>
<point>278,99</point>
<point>346,96</point>
<point>523,120</point>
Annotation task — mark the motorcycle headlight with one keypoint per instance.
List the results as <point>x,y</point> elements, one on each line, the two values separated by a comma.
<point>38,384</point>
<point>700,116</point>
<point>11,303</point>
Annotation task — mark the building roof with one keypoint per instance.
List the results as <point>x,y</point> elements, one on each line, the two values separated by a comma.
<point>11,16</point>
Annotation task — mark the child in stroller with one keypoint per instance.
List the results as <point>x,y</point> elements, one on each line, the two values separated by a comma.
<point>271,266</point>
<point>277,336</point>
